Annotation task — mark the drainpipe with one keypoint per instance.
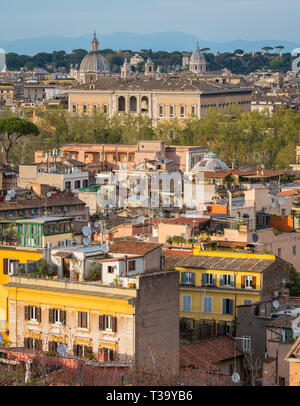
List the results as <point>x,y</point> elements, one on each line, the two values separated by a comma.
<point>126,265</point>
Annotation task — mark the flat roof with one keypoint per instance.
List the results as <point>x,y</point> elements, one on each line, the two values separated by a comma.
<point>43,219</point>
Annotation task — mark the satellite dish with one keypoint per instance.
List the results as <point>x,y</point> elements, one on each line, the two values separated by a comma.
<point>276,304</point>
<point>8,198</point>
<point>96,225</point>
<point>262,166</point>
<point>161,214</point>
<point>141,219</point>
<point>104,248</point>
<point>104,214</point>
<point>49,194</point>
<point>235,377</point>
<point>12,193</point>
<point>1,339</point>
<point>86,231</point>
<point>62,349</point>
<point>86,241</point>
<point>254,237</point>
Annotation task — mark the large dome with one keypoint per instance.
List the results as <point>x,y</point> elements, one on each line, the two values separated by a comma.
<point>94,61</point>
<point>210,162</point>
<point>197,56</point>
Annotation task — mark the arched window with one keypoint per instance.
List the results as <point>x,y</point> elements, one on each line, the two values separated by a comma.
<point>161,111</point>
<point>193,110</point>
<point>84,108</point>
<point>74,108</point>
<point>121,103</point>
<point>182,111</point>
<point>145,104</point>
<point>95,108</point>
<point>105,108</point>
<point>132,103</point>
<point>171,111</point>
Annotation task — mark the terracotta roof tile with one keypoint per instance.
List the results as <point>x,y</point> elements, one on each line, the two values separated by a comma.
<point>132,247</point>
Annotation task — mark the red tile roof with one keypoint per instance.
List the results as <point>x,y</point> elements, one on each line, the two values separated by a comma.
<point>133,247</point>
<point>208,354</point>
<point>289,192</point>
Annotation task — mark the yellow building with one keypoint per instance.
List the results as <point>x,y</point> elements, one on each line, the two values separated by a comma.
<point>95,320</point>
<point>22,245</point>
<point>9,257</point>
<point>213,284</point>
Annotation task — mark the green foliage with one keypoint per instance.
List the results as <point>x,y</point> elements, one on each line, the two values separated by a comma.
<point>43,268</point>
<point>294,284</point>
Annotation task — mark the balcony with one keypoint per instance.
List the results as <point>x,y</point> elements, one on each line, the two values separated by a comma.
<point>88,287</point>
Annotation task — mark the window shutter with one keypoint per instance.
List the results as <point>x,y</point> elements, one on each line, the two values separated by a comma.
<point>204,279</point>
<point>5,266</point>
<point>79,320</point>
<point>26,342</point>
<point>193,278</point>
<point>84,320</point>
<point>63,317</point>
<point>51,316</point>
<point>38,314</point>
<point>114,324</point>
<point>243,281</point>
<point>39,345</point>
<point>230,306</point>
<point>221,280</point>
<point>88,350</point>
<point>223,306</point>
<point>75,349</point>
<point>101,322</point>
<point>183,278</point>
<point>253,282</point>
<point>231,280</point>
<point>26,311</point>
<point>214,279</point>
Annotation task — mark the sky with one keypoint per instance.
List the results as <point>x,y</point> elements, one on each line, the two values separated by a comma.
<point>214,20</point>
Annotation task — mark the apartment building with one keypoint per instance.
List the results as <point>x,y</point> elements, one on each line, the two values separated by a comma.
<point>213,284</point>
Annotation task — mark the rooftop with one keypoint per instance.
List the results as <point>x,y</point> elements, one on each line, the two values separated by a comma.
<point>133,247</point>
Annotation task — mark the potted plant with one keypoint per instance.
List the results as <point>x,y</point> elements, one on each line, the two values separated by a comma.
<point>116,282</point>
<point>75,276</point>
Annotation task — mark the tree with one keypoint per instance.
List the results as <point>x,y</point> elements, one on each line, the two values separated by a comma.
<point>267,49</point>
<point>11,130</point>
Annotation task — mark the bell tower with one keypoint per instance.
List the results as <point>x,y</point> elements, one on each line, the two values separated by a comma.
<point>149,68</point>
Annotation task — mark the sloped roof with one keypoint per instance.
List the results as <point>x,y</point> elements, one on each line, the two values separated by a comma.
<point>208,354</point>
<point>133,247</point>
<point>225,263</point>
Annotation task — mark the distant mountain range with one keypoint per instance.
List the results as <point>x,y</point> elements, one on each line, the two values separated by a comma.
<point>161,41</point>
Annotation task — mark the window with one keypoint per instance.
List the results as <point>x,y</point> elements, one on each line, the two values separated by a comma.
<point>248,282</point>
<point>182,111</point>
<point>209,279</point>
<point>53,346</point>
<point>32,344</point>
<point>161,111</point>
<point>82,319</point>
<point>110,269</point>
<point>294,250</point>
<point>186,303</point>
<point>105,108</point>
<point>281,381</point>
<point>227,306</point>
<point>67,185</point>
<point>283,212</point>
<point>131,266</point>
<point>207,308</point>
<point>106,354</point>
<point>247,301</point>
<point>77,184</point>
<point>85,183</point>
<point>188,278</point>
<point>84,108</point>
<point>32,313</point>
<point>74,108</point>
<point>82,350</point>
<point>171,111</point>
<point>246,343</point>
<point>57,316</point>
<point>121,103</point>
<point>226,280</point>
<point>193,110</point>
<point>108,323</point>
<point>279,252</point>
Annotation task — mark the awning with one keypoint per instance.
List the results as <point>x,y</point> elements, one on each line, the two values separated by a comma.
<point>58,339</point>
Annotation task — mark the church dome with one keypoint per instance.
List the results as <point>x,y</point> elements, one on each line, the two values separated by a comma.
<point>197,56</point>
<point>94,61</point>
<point>210,162</point>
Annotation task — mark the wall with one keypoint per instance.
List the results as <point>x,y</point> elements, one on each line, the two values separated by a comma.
<point>171,230</point>
<point>157,319</point>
